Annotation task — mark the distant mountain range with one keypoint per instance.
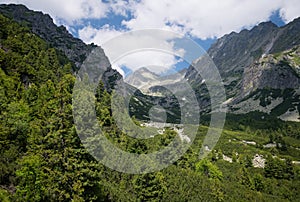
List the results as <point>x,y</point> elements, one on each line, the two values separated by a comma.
<point>259,68</point>
<point>150,83</point>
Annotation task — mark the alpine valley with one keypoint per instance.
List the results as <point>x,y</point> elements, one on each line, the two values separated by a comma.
<point>257,157</point>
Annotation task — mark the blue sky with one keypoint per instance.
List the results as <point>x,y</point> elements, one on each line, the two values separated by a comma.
<point>97,21</point>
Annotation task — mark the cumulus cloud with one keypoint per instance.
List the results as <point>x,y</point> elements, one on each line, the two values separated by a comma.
<point>155,61</point>
<point>67,11</point>
<point>201,18</point>
<point>145,48</point>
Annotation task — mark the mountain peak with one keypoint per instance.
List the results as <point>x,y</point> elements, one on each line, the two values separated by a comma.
<point>267,24</point>
<point>144,69</point>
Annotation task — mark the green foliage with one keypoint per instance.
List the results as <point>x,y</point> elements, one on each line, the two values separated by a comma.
<point>41,155</point>
<point>258,182</point>
<point>279,169</point>
<point>4,195</point>
<point>31,185</point>
<point>149,187</point>
<point>245,178</point>
<point>246,160</point>
<point>209,169</point>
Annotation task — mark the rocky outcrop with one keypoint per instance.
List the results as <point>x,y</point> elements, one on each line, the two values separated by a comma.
<point>42,25</point>
<point>152,84</point>
<point>235,51</point>
<point>142,79</point>
<point>258,161</point>
<point>271,85</point>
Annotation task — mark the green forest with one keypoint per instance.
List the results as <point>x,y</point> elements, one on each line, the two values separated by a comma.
<point>43,159</point>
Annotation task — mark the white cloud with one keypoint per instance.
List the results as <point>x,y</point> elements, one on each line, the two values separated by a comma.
<point>98,36</point>
<point>157,62</point>
<point>121,7</point>
<point>290,10</point>
<point>146,49</point>
<point>69,11</point>
<point>201,18</point>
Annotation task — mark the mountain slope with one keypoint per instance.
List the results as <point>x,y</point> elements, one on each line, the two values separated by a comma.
<point>264,58</point>
<point>233,52</point>
<point>43,26</point>
<point>271,85</point>
<point>141,78</point>
<point>39,147</point>
<point>58,37</point>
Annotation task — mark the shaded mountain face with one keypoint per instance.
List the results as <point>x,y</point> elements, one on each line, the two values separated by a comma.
<point>43,26</point>
<point>277,71</point>
<point>233,52</point>
<point>58,37</point>
<point>271,85</point>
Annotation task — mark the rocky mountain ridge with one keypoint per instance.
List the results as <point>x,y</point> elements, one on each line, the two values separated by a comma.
<point>58,37</point>
<point>257,66</point>
<point>42,25</point>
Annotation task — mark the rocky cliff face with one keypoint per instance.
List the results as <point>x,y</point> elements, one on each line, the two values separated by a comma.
<point>58,37</point>
<point>233,52</point>
<point>271,85</point>
<point>153,84</point>
<point>277,71</point>
<point>260,69</point>
<point>141,78</point>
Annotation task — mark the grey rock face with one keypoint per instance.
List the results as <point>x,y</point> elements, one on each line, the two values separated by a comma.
<point>271,72</point>
<point>141,77</point>
<point>43,26</point>
<point>234,52</point>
